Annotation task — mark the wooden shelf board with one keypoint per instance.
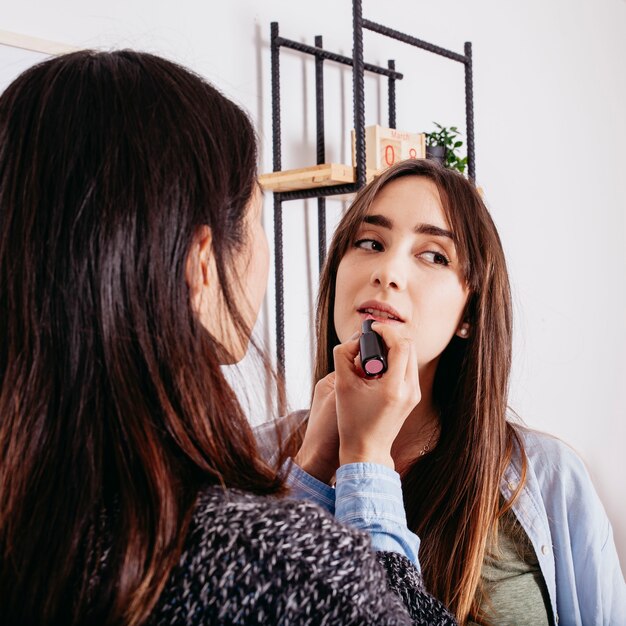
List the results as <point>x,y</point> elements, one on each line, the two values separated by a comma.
<point>325,175</point>
<point>44,46</point>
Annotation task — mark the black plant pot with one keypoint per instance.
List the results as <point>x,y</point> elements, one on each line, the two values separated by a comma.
<point>436,153</point>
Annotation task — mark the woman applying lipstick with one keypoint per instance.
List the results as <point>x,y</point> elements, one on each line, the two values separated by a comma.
<point>133,264</point>
<point>511,527</point>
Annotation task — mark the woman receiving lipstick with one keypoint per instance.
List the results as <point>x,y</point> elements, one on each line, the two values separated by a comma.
<point>511,528</point>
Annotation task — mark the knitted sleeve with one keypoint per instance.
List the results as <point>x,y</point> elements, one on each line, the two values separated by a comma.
<point>406,582</point>
<point>253,560</point>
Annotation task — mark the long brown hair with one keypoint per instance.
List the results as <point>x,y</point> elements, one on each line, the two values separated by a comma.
<point>113,409</point>
<point>452,494</point>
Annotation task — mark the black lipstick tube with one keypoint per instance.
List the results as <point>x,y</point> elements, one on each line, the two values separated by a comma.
<point>373,351</point>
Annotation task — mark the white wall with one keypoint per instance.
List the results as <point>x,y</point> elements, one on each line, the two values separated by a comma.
<point>550,92</point>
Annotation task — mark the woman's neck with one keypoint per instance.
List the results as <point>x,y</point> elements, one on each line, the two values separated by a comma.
<point>420,431</point>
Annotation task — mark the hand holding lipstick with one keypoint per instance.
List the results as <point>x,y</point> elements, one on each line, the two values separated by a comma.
<point>370,412</point>
<point>372,409</point>
<point>319,452</point>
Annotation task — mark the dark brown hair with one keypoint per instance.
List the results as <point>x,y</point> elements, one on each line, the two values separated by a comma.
<point>113,409</point>
<point>452,494</point>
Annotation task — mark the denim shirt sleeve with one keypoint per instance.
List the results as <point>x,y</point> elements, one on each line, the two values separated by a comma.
<point>367,496</point>
<point>303,486</point>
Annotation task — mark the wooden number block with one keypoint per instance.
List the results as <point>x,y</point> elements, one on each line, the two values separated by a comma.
<point>386,146</point>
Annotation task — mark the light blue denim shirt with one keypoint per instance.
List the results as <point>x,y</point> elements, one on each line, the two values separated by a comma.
<point>366,496</point>
<point>560,511</point>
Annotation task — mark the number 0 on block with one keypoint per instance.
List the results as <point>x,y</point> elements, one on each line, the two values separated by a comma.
<point>386,146</point>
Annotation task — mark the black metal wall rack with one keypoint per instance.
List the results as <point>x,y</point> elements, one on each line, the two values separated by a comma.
<point>359,67</point>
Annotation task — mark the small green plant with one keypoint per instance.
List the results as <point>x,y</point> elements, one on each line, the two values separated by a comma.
<point>449,139</point>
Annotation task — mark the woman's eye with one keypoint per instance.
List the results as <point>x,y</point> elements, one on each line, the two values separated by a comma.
<point>368,244</point>
<point>437,258</point>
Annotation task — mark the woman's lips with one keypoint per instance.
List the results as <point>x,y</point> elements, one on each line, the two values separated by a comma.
<point>379,311</point>
<point>378,316</point>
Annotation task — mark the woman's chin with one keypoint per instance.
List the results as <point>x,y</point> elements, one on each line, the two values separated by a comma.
<point>231,355</point>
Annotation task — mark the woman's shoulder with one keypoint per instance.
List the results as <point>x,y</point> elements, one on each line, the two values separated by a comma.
<point>248,515</point>
<point>548,451</point>
<point>248,558</point>
<point>558,475</point>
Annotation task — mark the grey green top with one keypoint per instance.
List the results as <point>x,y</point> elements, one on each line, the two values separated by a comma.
<point>514,588</point>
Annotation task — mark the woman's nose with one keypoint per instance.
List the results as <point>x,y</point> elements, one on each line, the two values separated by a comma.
<point>389,274</point>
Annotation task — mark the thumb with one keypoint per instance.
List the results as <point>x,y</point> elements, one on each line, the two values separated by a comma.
<point>324,387</point>
<point>345,353</point>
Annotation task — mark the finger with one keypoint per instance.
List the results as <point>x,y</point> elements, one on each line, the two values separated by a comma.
<point>324,392</point>
<point>358,367</point>
<point>344,355</point>
<point>391,335</point>
<point>398,350</point>
<point>326,385</point>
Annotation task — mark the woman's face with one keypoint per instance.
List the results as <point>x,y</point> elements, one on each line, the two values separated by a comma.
<point>402,269</point>
<point>251,265</point>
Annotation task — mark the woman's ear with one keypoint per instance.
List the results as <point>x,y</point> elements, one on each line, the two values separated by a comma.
<point>464,330</point>
<point>198,269</point>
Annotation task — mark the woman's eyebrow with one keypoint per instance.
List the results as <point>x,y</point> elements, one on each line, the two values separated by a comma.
<point>420,229</point>
<point>436,231</point>
<point>378,220</point>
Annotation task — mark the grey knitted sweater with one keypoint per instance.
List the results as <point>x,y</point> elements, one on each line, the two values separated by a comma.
<point>257,560</point>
